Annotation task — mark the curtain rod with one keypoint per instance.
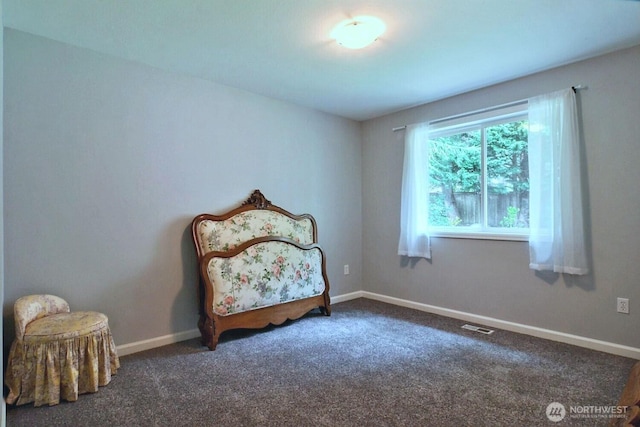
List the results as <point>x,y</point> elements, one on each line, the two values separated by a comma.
<point>484,110</point>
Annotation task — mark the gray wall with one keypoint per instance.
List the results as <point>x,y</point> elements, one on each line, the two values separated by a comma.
<point>108,161</point>
<point>3,408</point>
<point>492,278</point>
<point>105,160</point>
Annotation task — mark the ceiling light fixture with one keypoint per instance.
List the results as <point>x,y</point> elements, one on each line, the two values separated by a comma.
<point>358,32</point>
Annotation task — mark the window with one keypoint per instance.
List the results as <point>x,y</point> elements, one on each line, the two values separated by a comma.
<point>505,173</point>
<point>479,176</point>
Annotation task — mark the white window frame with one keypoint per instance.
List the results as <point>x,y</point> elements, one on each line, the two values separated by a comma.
<point>444,127</point>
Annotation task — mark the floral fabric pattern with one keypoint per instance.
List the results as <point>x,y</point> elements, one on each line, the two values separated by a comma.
<point>228,234</point>
<point>60,355</point>
<point>33,307</point>
<point>265,274</point>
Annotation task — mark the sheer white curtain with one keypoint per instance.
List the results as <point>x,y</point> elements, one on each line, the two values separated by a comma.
<point>414,213</point>
<point>556,240</point>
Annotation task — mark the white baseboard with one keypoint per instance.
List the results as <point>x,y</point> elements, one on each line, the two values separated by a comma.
<point>347,297</point>
<point>138,346</point>
<point>607,347</point>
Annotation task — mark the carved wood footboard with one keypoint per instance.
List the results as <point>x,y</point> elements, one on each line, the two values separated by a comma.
<point>259,265</point>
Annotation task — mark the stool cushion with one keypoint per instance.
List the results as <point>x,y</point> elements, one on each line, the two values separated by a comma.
<point>63,326</point>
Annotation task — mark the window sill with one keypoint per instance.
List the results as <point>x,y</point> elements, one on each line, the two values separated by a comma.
<point>516,237</point>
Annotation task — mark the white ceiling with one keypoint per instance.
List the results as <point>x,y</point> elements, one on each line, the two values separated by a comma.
<point>432,49</point>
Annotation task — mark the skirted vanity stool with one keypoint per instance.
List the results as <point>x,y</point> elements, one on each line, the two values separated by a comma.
<point>57,354</point>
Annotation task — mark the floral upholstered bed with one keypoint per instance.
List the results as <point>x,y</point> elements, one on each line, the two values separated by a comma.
<point>259,265</point>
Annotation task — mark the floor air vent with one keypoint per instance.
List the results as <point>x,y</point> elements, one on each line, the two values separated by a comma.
<point>478,329</point>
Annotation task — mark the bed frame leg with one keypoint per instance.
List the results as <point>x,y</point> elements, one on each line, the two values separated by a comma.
<point>326,309</point>
<point>214,342</point>
<point>207,330</point>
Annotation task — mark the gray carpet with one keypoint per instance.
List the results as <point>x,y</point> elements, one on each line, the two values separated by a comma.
<point>369,364</point>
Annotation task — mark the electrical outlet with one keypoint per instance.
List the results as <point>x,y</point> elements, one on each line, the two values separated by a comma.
<point>623,305</point>
<point>346,269</point>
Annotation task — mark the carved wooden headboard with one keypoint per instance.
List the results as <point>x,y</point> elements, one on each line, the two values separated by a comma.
<point>256,217</point>
<point>259,264</point>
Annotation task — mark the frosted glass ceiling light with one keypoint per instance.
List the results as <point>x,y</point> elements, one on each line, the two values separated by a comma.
<point>358,32</point>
